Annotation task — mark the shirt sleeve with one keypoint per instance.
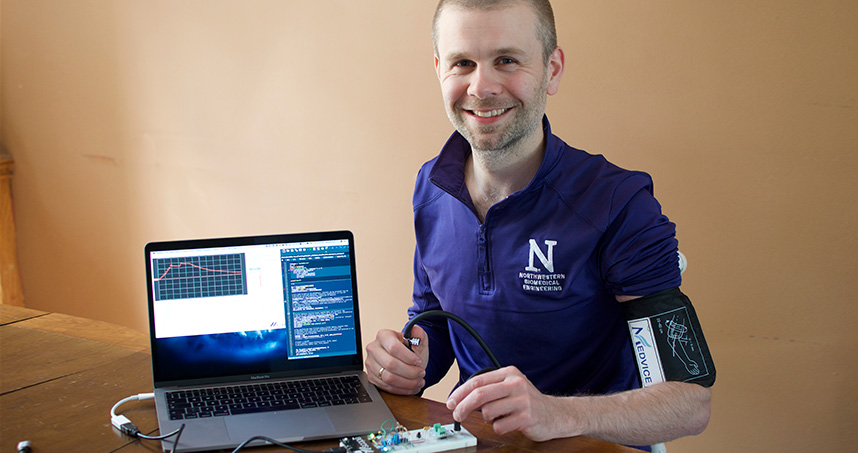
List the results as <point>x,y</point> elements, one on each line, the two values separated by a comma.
<point>441,354</point>
<point>639,250</point>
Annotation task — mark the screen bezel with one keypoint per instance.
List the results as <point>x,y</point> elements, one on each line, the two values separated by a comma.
<point>296,368</point>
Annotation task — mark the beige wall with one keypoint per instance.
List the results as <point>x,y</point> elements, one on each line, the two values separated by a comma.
<point>136,121</point>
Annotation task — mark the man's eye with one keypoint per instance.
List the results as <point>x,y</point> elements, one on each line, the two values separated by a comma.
<point>464,63</point>
<point>504,61</point>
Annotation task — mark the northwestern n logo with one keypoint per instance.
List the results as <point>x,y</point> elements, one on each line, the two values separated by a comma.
<point>547,260</point>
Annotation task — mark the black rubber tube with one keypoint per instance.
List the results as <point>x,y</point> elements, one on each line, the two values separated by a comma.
<point>444,314</point>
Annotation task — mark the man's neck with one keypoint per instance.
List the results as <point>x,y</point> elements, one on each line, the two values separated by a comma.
<point>491,176</point>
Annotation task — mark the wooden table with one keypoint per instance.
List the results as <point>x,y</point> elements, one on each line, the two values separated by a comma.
<point>60,375</point>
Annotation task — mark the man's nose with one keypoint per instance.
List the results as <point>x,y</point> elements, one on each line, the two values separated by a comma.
<point>484,83</point>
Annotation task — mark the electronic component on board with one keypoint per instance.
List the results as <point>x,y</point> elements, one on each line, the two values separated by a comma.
<point>436,438</point>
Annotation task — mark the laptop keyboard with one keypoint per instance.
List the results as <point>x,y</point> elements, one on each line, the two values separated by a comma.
<point>263,397</point>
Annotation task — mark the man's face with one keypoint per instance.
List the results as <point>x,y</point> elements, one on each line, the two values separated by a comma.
<point>493,76</point>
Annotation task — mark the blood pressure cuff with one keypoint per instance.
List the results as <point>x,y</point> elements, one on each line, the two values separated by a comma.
<point>667,339</point>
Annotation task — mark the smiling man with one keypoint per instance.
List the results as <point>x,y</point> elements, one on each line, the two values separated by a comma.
<point>542,248</point>
<point>494,79</point>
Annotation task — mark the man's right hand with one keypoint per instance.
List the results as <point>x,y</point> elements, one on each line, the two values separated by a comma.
<point>392,367</point>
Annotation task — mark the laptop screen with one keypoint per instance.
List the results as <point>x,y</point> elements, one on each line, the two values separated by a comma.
<point>228,309</point>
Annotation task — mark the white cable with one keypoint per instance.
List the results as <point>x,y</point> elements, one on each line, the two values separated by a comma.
<point>138,397</point>
<point>122,422</point>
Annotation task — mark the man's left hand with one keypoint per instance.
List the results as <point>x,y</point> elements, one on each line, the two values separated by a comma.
<point>510,402</point>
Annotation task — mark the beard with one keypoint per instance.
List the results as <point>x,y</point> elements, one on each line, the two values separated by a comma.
<point>501,137</point>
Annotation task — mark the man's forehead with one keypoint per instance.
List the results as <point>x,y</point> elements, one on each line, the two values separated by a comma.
<point>464,31</point>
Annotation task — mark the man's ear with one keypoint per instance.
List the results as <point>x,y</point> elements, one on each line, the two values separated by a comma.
<point>556,64</point>
<point>437,67</point>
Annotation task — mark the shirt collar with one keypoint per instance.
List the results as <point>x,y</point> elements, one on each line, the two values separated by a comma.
<point>448,172</point>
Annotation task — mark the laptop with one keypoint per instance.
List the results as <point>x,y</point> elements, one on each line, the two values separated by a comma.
<point>258,336</point>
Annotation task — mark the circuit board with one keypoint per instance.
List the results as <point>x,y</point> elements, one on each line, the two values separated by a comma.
<point>429,439</point>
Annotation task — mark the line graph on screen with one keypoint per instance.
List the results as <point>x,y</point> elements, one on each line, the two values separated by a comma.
<point>199,276</point>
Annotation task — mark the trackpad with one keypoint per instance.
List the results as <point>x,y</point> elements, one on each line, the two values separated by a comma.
<point>290,426</point>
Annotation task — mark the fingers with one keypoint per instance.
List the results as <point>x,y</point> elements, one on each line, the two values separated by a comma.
<point>510,402</point>
<point>478,391</point>
<point>506,398</point>
<point>422,348</point>
<point>392,367</point>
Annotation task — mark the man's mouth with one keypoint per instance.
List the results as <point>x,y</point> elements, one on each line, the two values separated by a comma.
<point>488,113</point>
